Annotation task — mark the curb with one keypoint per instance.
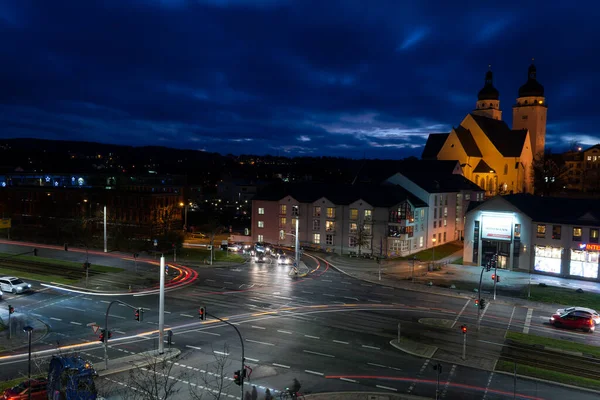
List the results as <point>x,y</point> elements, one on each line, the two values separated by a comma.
<point>137,364</point>
<point>432,350</point>
<point>531,378</point>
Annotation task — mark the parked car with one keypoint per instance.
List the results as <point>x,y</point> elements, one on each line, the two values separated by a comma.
<point>574,320</point>
<point>13,285</point>
<point>0,293</point>
<point>594,313</point>
<point>21,391</point>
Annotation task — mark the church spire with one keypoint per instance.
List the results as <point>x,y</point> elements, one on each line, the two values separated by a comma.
<point>488,92</point>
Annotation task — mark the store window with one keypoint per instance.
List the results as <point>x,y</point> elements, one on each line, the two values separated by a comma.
<point>593,235</point>
<point>556,232</point>
<point>577,234</point>
<point>584,264</point>
<point>548,259</point>
<point>541,231</point>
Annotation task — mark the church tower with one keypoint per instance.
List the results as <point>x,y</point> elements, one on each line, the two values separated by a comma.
<point>530,111</point>
<point>488,103</point>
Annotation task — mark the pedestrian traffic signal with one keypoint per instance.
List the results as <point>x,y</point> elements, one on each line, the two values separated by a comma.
<point>437,367</point>
<point>488,266</point>
<point>237,378</point>
<point>137,315</point>
<point>476,302</point>
<point>11,309</point>
<point>463,329</point>
<point>493,277</point>
<point>482,304</point>
<point>202,313</point>
<point>35,252</point>
<point>101,337</point>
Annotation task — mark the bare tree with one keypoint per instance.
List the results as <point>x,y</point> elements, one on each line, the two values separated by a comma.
<point>363,237</point>
<point>213,228</point>
<point>549,175</point>
<point>152,380</point>
<point>211,381</point>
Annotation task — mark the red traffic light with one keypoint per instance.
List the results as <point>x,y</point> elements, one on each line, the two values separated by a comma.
<point>137,314</point>
<point>202,313</point>
<point>463,328</point>
<point>11,309</point>
<point>476,302</point>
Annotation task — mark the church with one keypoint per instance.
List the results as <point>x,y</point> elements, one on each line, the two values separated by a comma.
<point>492,155</point>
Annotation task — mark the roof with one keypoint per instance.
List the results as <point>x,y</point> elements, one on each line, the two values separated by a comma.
<point>434,144</point>
<point>437,166</point>
<point>483,167</point>
<point>436,182</point>
<point>468,143</point>
<point>531,88</point>
<point>488,92</point>
<point>508,142</point>
<point>341,194</point>
<point>559,210</point>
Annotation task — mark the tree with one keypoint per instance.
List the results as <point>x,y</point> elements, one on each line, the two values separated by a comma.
<point>152,380</point>
<point>549,174</point>
<point>211,381</point>
<point>213,228</point>
<point>363,237</point>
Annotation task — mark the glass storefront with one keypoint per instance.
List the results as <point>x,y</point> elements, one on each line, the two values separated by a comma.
<point>584,263</point>
<point>548,259</point>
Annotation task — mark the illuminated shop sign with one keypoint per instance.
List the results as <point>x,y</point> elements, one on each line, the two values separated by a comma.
<point>590,247</point>
<point>496,228</point>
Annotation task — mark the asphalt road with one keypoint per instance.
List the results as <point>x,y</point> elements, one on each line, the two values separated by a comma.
<point>329,331</point>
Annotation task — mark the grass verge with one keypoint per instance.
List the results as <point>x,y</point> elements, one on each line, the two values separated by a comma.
<point>14,382</point>
<point>36,277</point>
<point>458,262</point>
<point>558,295</point>
<point>552,376</point>
<point>201,255</point>
<point>63,263</point>
<point>555,343</point>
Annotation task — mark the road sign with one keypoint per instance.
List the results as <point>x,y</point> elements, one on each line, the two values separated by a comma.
<point>94,327</point>
<point>5,223</point>
<point>295,264</point>
<point>155,242</point>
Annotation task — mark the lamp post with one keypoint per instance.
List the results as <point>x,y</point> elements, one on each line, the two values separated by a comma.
<point>413,269</point>
<point>433,240</point>
<point>105,240</point>
<point>185,212</point>
<point>29,329</point>
<point>296,245</point>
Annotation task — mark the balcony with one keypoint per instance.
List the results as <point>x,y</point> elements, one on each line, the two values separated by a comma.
<point>401,220</point>
<point>400,232</point>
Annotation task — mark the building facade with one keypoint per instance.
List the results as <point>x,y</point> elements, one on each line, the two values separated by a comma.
<point>583,169</point>
<point>545,235</point>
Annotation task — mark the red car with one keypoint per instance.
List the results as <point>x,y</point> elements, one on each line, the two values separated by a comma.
<point>574,319</point>
<point>21,391</point>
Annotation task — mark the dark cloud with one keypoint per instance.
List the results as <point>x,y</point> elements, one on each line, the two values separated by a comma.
<point>281,76</point>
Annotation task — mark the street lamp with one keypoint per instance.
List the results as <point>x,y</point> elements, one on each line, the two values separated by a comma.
<point>433,240</point>
<point>297,244</point>
<point>29,329</point>
<point>186,205</point>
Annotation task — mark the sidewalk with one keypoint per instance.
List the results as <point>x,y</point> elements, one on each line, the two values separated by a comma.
<point>19,338</point>
<point>139,360</point>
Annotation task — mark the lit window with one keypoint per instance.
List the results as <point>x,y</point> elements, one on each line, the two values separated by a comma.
<point>367,230</point>
<point>353,213</point>
<point>577,234</point>
<point>316,238</point>
<point>353,227</point>
<point>261,211</point>
<point>421,241</point>
<point>330,226</point>
<point>368,215</point>
<point>317,212</point>
<point>282,222</point>
<point>283,209</point>
<point>445,211</point>
<point>594,235</point>
<point>282,234</point>
<point>541,231</point>
<point>260,238</point>
<point>445,224</point>
<point>261,224</point>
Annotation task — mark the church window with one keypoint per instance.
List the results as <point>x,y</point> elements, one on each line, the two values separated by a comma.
<point>505,169</point>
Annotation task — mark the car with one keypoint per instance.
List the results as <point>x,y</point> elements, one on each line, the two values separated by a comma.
<point>574,319</point>
<point>0,293</point>
<point>595,315</point>
<point>13,285</point>
<point>259,257</point>
<point>21,391</point>
<point>283,260</point>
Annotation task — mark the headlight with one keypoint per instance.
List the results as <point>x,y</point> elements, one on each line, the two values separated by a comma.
<point>28,285</point>
<point>551,318</point>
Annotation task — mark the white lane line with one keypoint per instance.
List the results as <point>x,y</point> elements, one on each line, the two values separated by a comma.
<point>56,319</point>
<point>220,352</point>
<point>116,316</point>
<point>282,297</point>
<point>281,365</point>
<point>326,280</point>
<point>348,380</point>
<point>187,315</point>
<point>460,313</point>
<point>228,283</point>
<point>308,371</point>
<point>388,288</point>
<point>528,320</point>
<point>193,347</point>
<point>371,347</point>
<point>119,332</point>
<point>351,298</point>
<point>307,292</point>
<point>346,283</point>
<point>374,301</point>
<point>282,331</point>
<point>312,337</point>
<point>328,295</point>
<point>86,298</point>
<point>256,341</point>
<point>258,327</point>
<point>252,359</point>
<point>72,308</point>
<point>340,342</point>
<point>105,301</point>
<point>387,388</point>
<point>122,305</point>
<point>366,284</point>
<point>36,315</point>
<point>511,318</point>
<point>377,365</point>
<point>318,354</point>
<point>488,386</point>
<point>166,312</point>
<point>75,323</point>
<point>209,333</point>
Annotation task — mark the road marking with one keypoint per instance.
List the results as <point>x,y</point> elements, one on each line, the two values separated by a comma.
<point>450,375</point>
<point>340,342</point>
<point>56,319</point>
<point>76,323</point>
<point>36,315</point>
<point>328,295</point>
<point>366,284</point>
<point>351,298</point>
<point>193,347</point>
<point>282,331</point>
<point>258,327</point>
<point>119,332</point>
<point>370,347</point>
<point>460,313</point>
<point>256,341</point>
<point>116,316</point>
<point>220,352</point>
<point>318,354</point>
<point>166,312</point>
<point>281,365</point>
<point>374,301</point>
<point>387,387</point>
<point>388,288</point>
<point>346,283</point>
<point>487,386</point>
<point>209,280</point>
<point>282,297</point>
<point>528,320</point>
<point>511,318</point>
<point>377,365</point>
<point>122,305</point>
<point>307,292</point>
<point>72,308</point>
<point>252,359</point>
<point>348,380</point>
<point>86,298</point>
<point>312,337</point>
<point>228,283</point>
<point>104,301</point>
<point>419,374</point>
<point>209,333</point>
<point>187,315</point>
<point>326,280</point>
<point>308,371</point>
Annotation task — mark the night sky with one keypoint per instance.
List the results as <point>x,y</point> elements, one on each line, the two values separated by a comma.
<point>339,78</point>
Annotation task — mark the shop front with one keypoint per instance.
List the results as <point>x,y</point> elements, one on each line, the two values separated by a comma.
<point>548,259</point>
<point>584,261</point>
<point>496,238</point>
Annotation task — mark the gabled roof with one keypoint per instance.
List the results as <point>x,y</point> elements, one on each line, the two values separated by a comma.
<point>483,167</point>
<point>341,194</point>
<point>467,141</point>
<point>508,142</point>
<point>434,144</point>
<point>436,182</point>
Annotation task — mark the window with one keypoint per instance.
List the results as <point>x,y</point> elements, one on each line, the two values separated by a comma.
<point>353,227</point>
<point>517,230</point>
<point>435,200</point>
<point>294,222</point>
<point>422,213</point>
<point>593,235</point>
<point>396,245</point>
<point>282,235</point>
<point>367,230</point>
<point>421,241</point>
<point>260,238</point>
<point>330,212</point>
<point>439,238</point>
<point>329,240</point>
<point>261,224</point>
<point>316,224</point>
<point>589,158</point>
<point>352,241</point>
<point>330,226</point>
<point>316,211</point>
<point>467,196</point>
<point>445,211</point>
<point>353,214</point>
<point>577,234</point>
<point>282,222</point>
<point>282,209</point>
<point>541,231</point>
<point>261,211</point>
<point>524,116</point>
<point>445,223</point>
<point>556,232</point>
<point>316,238</point>
<point>445,200</point>
<point>434,224</point>
<point>435,213</point>
<point>368,215</point>
<point>295,211</point>
<point>444,237</point>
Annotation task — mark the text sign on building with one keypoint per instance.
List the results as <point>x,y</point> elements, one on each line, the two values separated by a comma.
<point>593,247</point>
<point>496,228</point>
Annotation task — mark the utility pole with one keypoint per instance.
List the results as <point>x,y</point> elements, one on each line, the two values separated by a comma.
<point>495,269</point>
<point>161,308</point>
<point>463,328</point>
<point>412,275</point>
<point>105,239</point>
<point>437,367</point>
<point>297,244</point>
<point>479,298</point>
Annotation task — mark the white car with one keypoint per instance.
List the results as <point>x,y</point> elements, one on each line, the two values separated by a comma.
<point>594,313</point>
<point>283,260</point>
<point>13,285</point>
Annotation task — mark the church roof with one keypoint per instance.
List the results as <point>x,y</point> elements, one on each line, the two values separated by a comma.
<point>532,87</point>
<point>434,144</point>
<point>483,167</point>
<point>508,142</point>
<point>467,141</point>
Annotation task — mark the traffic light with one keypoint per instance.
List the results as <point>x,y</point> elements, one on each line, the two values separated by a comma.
<point>11,309</point>
<point>482,304</point>
<point>137,314</point>
<point>437,367</point>
<point>488,266</point>
<point>35,252</point>
<point>497,278</point>
<point>493,277</point>
<point>202,313</point>
<point>237,377</point>
<point>476,302</point>
<point>102,335</point>
<point>463,329</point>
